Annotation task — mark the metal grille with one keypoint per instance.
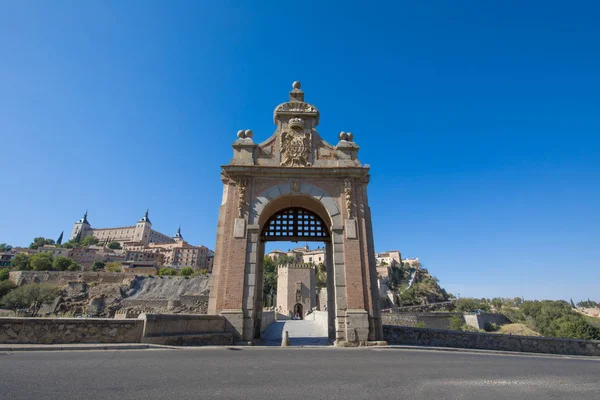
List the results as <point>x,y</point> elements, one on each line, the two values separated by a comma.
<point>294,224</point>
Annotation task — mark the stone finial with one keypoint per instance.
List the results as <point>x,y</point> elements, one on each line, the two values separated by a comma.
<point>349,137</point>
<point>296,95</point>
<point>244,134</point>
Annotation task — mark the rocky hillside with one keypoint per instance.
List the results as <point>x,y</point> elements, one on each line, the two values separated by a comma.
<point>98,295</point>
<point>412,285</point>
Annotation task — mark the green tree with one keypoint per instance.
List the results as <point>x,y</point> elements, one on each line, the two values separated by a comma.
<point>468,304</point>
<point>5,247</point>
<point>98,266</point>
<point>41,262</point>
<point>31,296</point>
<point>62,263</point>
<point>20,262</point>
<point>114,266</point>
<point>114,245</point>
<point>39,242</point>
<point>187,271</point>
<point>89,241</point>
<point>4,274</point>
<point>321,276</point>
<point>5,287</point>
<point>269,277</point>
<point>70,244</point>
<point>166,271</point>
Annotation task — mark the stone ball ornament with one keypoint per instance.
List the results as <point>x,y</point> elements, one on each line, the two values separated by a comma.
<point>240,134</point>
<point>350,136</point>
<point>296,85</point>
<point>248,134</point>
<point>343,135</point>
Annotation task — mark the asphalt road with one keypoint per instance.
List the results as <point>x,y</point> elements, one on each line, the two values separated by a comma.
<point>293,373</point>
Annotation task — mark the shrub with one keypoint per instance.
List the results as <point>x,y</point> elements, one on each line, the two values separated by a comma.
<point>456,323</point>
<point>420,324</point>
<point>166,271</point>
<point>62,263</point>
<point>491,327</point>
<point>32,297</point>
<point>41,262</point>
<point>114,245</point>
<point>5,287</point>
<point>4,274</point>
<point>187,271</point>
<point>20,262</point>
<point>98,266</point>
<point>114,266</point>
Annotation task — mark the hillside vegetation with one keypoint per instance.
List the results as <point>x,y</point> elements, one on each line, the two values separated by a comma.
<point>424,288</point>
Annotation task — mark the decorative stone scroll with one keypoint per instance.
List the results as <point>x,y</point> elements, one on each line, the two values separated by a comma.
<point>348,196</point>
<point>242,184</point>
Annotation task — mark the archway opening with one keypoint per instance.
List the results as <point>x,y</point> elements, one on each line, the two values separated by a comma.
<point>298,311</point>
<point>295,282</point>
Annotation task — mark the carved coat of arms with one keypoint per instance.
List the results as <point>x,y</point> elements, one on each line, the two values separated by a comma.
<point>295,146</point>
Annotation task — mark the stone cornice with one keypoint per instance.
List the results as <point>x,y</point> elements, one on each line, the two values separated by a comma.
<point>234,171</point>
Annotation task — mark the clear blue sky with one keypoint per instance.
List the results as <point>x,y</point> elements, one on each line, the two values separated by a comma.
<point>480,121</point>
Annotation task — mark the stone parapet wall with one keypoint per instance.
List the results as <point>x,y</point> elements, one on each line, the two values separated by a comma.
<point>69,330</point>
<point>488,341</point>
<point>268,317</point>
<point>178,324</point>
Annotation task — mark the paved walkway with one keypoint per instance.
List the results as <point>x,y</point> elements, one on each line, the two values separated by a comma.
<point>301,333</point>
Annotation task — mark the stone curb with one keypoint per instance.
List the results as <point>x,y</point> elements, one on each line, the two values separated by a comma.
<point>484,351</point>
<point>50,347</point>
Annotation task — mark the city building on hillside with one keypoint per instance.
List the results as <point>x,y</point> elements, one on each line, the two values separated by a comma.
<point>6,258</point>
<point>153,255</point>
<point>177,254</point>
<point>316,256</point>
<point>296,289</point>
<point>412,262</point>
<point>140,267</point>
<point>141,232</point>
<point>301,255</point>
<point>86,256</point>
<point>276,254</point>
<point>386,260</point>
<point>210,259</point>
<point>55,251</point>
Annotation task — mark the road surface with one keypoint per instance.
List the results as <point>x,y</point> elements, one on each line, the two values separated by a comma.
<point>293,373</point>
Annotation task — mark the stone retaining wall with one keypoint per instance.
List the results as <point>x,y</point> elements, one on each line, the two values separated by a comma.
<point>61,278</point>
<point>488,341</point>
<point>69,330</point>
<point>479,321</point>
<point>439,320</point>
<point>442,306</point>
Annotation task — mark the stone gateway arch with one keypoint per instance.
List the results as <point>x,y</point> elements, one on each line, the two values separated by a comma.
<point>294,186</point>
